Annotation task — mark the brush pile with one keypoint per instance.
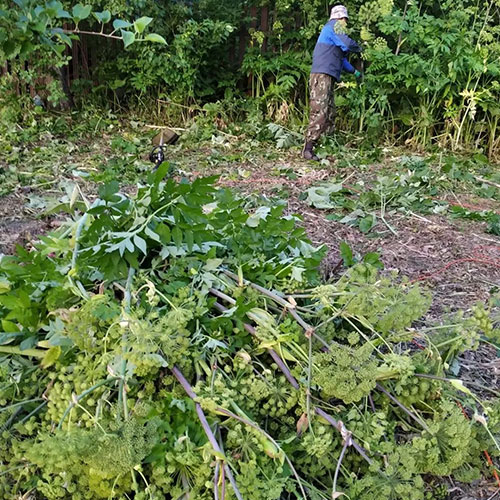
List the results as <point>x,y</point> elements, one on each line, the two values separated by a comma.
<point>178,344</point>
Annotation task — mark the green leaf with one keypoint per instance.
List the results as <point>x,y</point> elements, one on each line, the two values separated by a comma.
<point>212,264</point>
<point>28,343</point>
<point>459,385</point>
<point>103,17</point>
<point>120,24</point>
<point>373,258</point>
<point>164,232</point>
<point>189,240</point>
<point>10,302</point>
<point>367,223</point>
<point>63,14</point>
<point>81,12</point>
<point>140,243</point>
<point>51,357</point>
<point>260,214</point>
<point>177,236</point>
<point>319,196</point>
<point>346,254</point>
<point>141,23</point>
<point>154,37</point>
<point>128,38</point>
<point>4,285</point>
<point>8,326</point>
<point>151,234</point>
<point>107,192</point>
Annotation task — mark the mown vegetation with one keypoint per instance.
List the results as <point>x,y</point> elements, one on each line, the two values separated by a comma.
<point>167,337</point>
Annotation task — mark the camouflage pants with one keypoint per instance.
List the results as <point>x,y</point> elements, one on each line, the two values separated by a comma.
<point>322,104</point>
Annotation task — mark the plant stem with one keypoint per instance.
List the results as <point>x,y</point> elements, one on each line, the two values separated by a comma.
<point>294,383</point>
<point>309,379</point>
<point>36,353</point>
<point>216,480</point>
<point>337,469</point>
<point>336,425</point>
<point>403,407</point>
<point>95,33</point>
<point>21,403</point>
<point>248,422</point>
<point>83,395</point>
<point>206,427</point>
<point>276,357</point>
<point>122,395</point>
<point>79,229</point>
<point>444,379</point>
<point>281,301</point>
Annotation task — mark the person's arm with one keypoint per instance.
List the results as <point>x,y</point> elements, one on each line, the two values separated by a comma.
<point>347,66</point>
<point>347,44</point>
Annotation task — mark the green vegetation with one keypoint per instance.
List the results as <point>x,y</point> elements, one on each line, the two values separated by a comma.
<point>431,66</point>
<point>106,316</point>
<point>167,337</point>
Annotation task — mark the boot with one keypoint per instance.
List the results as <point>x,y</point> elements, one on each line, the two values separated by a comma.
<point>308,152</point>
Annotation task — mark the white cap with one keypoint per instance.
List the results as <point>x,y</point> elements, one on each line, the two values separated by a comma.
<point>338,12</point>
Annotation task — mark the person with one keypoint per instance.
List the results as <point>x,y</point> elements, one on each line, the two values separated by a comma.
<point>329,60</point>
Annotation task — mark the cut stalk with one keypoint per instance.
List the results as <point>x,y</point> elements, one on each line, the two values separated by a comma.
<point>403,407</point>
<point>206,427</point>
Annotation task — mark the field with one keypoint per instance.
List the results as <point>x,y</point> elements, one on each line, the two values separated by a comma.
<point>404,260</point>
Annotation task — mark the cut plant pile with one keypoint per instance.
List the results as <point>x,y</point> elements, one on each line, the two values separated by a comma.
<point>179,344</point>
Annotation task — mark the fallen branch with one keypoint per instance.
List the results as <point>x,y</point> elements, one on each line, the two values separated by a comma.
<point>487,181</point>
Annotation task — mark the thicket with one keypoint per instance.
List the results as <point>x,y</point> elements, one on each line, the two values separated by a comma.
<point>179,344</point>
<point>432,66</point>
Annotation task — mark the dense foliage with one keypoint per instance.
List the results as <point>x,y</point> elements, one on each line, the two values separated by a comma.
<point>432,65</point>
<point>134,362</point>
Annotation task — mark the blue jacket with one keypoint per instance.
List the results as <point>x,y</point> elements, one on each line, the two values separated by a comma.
<point>330,53</point>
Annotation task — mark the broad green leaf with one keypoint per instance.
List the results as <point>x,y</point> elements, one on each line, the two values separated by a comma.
<point>164,232</point>
<point>107,192</point>
<point>212,264</point>
<point>459,385</point>
<point>319,196</point>
<point>260,214</point>
<point>140,243</point>
<point>103,17</point>
<point>346,254</point>
<point>366,224</point>
<point>4,285</point>
<point>8,326</point>
<point>373,258</point>
<point>154,37</point>
<point>128,37</point>
<point>189,240</point>
<point>151,234</point>
<point>298,273</point>
<point>81,12</point>
<point>51,357</point>
<point>120,24</point>
<point>28,343</point>
<point>10,302</point>
<point>177,236</point>
<point>141,23</point>
<point>63,14</point>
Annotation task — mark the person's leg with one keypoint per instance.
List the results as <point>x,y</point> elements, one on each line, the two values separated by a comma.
<point>319,89</point>
<point>332,112</point>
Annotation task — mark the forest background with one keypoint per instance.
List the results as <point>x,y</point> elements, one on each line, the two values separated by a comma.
<point>432,66</point>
